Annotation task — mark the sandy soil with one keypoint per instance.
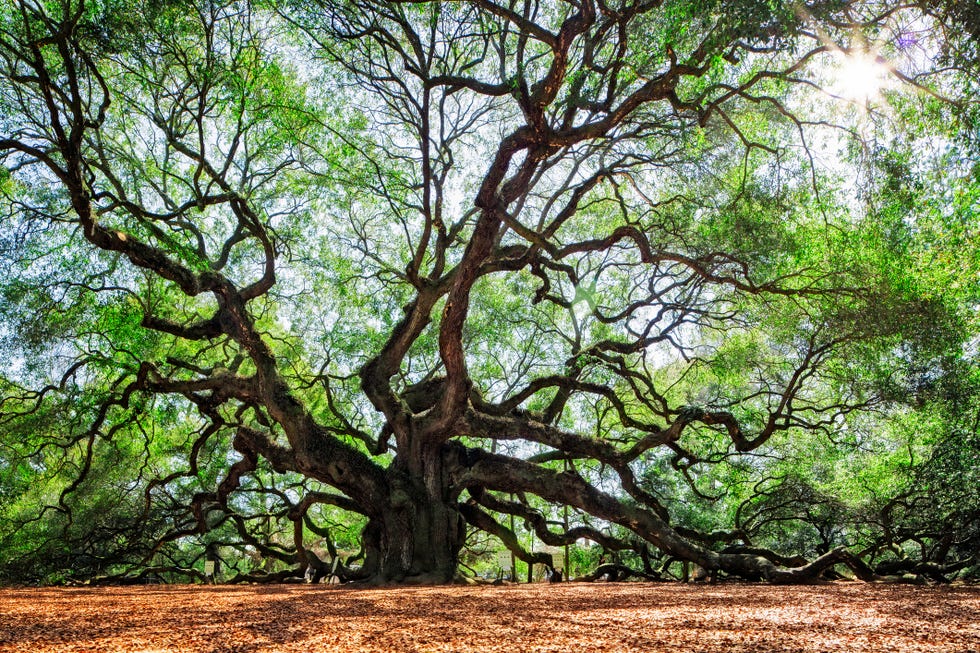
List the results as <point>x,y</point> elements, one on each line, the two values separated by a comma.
<point>570,617</point>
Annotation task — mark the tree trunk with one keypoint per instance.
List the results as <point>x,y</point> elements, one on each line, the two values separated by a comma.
<point>417,537</point>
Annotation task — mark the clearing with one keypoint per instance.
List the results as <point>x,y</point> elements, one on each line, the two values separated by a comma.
<point>569,617</point>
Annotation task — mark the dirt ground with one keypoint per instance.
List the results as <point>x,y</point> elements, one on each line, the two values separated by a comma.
<point>645,617</point>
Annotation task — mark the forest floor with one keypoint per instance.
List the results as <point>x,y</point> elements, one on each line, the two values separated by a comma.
<point>645,617</point>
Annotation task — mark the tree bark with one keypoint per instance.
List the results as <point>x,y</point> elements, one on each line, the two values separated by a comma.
<point>417,536</point>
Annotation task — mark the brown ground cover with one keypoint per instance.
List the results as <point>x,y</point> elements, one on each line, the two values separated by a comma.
<point>570,617</point>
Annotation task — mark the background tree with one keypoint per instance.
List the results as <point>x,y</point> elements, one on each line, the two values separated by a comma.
<point>280,269</point>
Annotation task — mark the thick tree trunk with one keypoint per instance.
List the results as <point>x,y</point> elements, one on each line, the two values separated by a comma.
<point>417,537</point>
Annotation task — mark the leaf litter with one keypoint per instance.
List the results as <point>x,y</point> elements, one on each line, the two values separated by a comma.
<point>673,618</point>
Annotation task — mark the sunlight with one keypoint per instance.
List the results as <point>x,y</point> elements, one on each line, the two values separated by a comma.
<point>860,77</point>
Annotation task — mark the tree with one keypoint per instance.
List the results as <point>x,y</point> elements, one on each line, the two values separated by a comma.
<point>435,264</point>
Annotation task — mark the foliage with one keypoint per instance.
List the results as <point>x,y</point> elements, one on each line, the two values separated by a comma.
<point>374,291</point>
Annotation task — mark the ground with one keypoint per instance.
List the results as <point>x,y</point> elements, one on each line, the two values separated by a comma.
<point>672,618</point>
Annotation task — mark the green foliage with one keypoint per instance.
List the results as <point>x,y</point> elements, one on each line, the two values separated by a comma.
<point>781,290</point>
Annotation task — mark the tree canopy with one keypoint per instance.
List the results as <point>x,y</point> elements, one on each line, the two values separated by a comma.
<point>376,289</point>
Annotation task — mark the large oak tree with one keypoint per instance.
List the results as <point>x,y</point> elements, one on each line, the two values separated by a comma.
<point>439,265</point>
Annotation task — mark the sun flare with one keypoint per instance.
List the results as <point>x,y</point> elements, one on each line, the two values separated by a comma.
<point>860,77</point>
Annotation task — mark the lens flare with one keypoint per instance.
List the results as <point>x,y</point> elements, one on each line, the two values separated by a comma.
<point>860,77</point>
